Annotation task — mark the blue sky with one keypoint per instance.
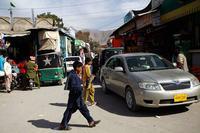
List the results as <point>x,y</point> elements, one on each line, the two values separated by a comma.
<point>80,14</point>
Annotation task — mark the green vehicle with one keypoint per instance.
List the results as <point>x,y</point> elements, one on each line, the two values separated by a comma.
<point>51,68</point>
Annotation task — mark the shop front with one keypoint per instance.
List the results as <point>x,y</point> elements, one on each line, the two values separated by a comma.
<point>20,46</point>
<point>181,22</point>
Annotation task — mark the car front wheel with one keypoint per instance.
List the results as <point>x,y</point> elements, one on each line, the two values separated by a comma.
<point>104,87</point>
<point>130,100</point>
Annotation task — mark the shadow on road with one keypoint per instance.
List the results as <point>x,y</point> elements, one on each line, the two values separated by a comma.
<point>116,104</point>
<point>59,104</point>
<point>42,123</point>
<point>3,91</point>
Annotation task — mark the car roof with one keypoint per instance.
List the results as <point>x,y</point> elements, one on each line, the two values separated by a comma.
<point>133,54</point>
<point>110,49</point>
<point>73,57</point>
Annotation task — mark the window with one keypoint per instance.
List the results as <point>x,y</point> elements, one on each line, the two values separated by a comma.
<point>111,63</point>
<point>49,61</point>
<point>119,63</point>
<point>147,62</point>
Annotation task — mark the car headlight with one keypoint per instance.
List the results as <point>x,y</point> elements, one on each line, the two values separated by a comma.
<point>195,81</point>
<point>149,86</point>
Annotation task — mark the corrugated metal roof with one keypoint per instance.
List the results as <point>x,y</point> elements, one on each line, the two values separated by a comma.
<point>15,34</point>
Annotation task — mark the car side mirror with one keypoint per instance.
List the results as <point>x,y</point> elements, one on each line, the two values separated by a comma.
<point>119,69</point>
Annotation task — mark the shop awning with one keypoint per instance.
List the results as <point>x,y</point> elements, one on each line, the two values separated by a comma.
<point>144,19</point>
<point>48,40</point>
<point>16,34</point>
<point>125,28</point>
<point>182,11</point>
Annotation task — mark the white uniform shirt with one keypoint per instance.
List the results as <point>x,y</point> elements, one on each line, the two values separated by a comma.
<point>7,68</point>
<point>183,61</point>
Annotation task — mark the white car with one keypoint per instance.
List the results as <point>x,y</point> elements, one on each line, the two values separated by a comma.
<point>68,62</point>
<point>146,79</point>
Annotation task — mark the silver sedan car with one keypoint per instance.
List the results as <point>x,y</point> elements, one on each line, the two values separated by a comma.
<point>146,79</point>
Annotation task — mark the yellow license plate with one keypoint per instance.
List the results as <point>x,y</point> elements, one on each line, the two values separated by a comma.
<point>180,98</point>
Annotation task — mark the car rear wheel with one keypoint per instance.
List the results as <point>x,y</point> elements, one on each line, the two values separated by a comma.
<point>130,100</point>
<point>104,87</point>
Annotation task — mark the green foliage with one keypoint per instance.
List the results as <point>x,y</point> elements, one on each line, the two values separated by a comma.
<point>85,36</point>
<point>57,21</point>
<point>94,45</point>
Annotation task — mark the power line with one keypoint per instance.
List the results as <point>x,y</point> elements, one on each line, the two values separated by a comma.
<point>97,12</point>
<point>106,12</point>
<point>108,24</point>
<point>73,5</point>
<point>68,5</point>
<point>90,13</point>
<point>85,19</point>
<point>111,23</point>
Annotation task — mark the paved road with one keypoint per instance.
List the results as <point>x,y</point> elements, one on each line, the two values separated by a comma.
<point>40,110</point>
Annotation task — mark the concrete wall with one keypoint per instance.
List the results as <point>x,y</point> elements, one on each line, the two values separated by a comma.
<point>22,24</point>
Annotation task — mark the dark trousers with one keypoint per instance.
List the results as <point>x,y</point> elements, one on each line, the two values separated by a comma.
<point>72,109</point>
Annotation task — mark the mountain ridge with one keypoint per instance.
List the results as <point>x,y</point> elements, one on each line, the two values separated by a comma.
<point>99,36</point>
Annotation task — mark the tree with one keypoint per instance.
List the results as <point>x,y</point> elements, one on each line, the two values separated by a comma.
<point>85,36</point>
<point>94,45</point>
<point>57,21</point>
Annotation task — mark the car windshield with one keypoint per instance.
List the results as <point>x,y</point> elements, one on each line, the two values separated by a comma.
<point>147,63</point>
<point>49,61</point>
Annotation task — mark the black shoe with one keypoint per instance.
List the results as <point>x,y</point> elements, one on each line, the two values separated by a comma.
<point>94,123</point>
<point>64,128</point>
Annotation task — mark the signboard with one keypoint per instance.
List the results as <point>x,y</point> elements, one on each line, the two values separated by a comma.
<point>143,21</point>
<point>156,3</point>
<point>168,13</point>
<point>156,18</point>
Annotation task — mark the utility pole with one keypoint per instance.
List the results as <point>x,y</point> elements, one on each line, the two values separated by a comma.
<point>34,25</point>
<point>11,18</point>
<point>11,15</point>
<point>33,18</point>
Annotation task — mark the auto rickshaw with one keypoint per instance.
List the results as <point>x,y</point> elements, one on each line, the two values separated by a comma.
<point>51,68</point>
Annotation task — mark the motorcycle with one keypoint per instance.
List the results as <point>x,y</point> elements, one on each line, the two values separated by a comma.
<point>31,83</point>
<point>14,83</point>
<point>2,80</point>
<point>25,82</point>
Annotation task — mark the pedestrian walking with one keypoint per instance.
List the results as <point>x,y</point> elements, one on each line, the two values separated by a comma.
<point>75,100</point>
<point>88,77</point>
